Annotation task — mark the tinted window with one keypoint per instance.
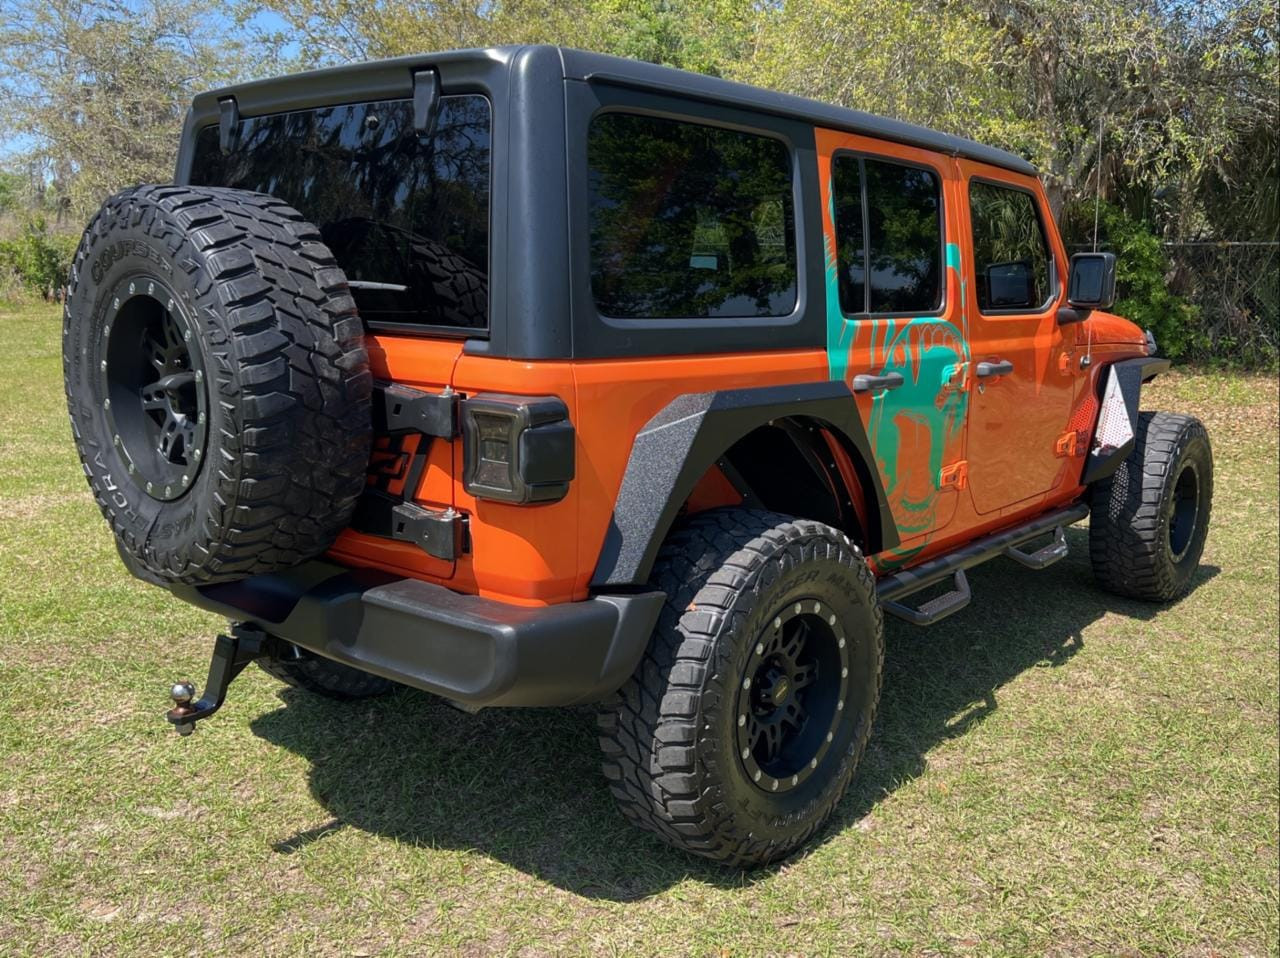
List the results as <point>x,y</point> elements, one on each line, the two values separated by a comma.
<point>901,249</point>
<point>851,243</point>
<point>689,220</point>
<point>406,217</point>
<point>1011,257</point>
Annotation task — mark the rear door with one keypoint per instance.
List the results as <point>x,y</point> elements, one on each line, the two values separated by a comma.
<point>894,302</point>
<point>1021,388</point>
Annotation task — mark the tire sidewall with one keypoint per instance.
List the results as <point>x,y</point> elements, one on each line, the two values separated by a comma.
<point>1191,451</point>
<point>118,247</point>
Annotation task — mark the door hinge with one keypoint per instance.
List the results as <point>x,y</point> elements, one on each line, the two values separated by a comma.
<point>399,409</point>
<point>954,476</point>
<point>1068,445</point>
<point>956,377</point>
<point>442,534</point>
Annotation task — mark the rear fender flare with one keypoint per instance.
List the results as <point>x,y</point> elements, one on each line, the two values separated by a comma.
<point>687,436</point>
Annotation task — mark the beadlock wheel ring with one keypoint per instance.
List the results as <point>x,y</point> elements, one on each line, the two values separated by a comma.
<point>152,380</point>
<point>792,696</point>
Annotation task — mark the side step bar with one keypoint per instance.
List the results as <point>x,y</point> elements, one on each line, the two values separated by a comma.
<point>895,586</point>
<point>936,609</point>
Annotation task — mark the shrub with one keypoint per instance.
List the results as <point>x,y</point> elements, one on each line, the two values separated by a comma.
<point>1142,270</point>
<point>37,258</point>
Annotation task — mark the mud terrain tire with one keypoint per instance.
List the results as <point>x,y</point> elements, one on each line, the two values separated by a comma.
<point>217,382</point>
<point>1149,519</point>
<point>678,745</point>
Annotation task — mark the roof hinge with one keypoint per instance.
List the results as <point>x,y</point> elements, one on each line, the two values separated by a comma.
<point>426,101</point>
<point>228,121</point>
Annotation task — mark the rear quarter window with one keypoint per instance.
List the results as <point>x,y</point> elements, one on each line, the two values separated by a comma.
<point>689,220</point>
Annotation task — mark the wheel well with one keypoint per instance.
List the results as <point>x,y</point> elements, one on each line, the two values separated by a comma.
<point>797,466</point>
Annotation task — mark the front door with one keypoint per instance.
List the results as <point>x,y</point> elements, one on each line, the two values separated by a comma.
<point>1020,389</point>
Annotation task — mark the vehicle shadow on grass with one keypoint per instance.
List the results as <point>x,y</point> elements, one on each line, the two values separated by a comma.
<point>524,786</point>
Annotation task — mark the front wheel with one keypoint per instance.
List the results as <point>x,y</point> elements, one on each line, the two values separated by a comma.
<point>743,724</point>
<point>1149,519</point>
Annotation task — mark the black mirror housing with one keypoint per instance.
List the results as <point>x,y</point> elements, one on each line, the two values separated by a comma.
<point>1092,281</point>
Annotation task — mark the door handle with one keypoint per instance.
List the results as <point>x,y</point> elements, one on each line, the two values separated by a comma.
<point>864,382</point>
<point>1001,367</point>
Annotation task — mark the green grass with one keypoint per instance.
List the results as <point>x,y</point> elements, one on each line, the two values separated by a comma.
<point>1054,771</point>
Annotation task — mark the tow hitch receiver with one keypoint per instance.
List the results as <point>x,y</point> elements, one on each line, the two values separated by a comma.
<point>231,653</point>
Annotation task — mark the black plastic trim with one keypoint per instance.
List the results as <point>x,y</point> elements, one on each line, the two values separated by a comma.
<point>677,446</point>
<point>1130,375</point>
<point>475,651</point>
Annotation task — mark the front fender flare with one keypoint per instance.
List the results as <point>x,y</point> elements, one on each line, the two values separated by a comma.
<point>1128,375</point>
<point>686,437</point>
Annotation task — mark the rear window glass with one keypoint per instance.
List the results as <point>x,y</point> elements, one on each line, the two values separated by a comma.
<point>407,217</point>
<point>888,220</point>
<point>689,221</point>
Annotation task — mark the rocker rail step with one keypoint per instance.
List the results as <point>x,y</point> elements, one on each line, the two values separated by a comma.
<point>895,586</point>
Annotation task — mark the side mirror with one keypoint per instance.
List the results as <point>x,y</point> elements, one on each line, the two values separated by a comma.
<point>1010,285</point>
<point>1092,282</point>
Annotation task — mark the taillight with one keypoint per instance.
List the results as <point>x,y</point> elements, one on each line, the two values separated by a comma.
<point>517,448</point>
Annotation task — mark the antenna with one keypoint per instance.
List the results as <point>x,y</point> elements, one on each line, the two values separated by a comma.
<point>1097,186</point>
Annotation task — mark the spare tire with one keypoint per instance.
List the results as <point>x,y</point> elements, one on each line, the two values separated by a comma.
<point>217,382</point>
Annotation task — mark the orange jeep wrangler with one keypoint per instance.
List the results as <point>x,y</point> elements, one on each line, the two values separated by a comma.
<point>529,377</point>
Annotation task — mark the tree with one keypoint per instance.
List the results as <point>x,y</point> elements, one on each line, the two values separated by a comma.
<point>100,87</point>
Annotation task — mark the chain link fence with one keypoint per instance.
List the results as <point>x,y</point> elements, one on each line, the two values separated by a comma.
<point>1236,288</point>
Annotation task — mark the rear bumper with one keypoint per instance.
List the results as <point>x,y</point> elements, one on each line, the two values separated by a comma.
<point>475,651</point>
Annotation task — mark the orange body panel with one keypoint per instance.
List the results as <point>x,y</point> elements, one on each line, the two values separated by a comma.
<point>958,457</point>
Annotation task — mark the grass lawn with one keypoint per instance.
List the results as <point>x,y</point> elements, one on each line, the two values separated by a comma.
<point>1055,771</point>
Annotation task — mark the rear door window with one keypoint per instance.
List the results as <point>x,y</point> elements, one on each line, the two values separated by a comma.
<point>1010,254</point>
<point>688,220</point>
<point>407,217</point>
<point>889,240</point>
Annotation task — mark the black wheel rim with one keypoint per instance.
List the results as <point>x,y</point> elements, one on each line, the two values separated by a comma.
<point>154,389</point>
<point>791,698</point>
<point>1183,511</point>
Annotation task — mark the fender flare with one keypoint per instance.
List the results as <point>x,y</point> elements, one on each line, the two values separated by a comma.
<point>1128,376</point>
<point>686,437</point>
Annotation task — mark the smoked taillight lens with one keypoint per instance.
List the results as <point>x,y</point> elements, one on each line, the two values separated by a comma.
<point>517,448</point>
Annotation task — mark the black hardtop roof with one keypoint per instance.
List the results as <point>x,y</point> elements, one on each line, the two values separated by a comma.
<point>602,68</point>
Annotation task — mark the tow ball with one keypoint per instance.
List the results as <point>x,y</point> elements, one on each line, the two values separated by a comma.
<point>231,653</point>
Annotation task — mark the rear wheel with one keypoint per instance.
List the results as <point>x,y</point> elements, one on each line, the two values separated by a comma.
<point>300,669</point>
<point>742,726</point>
<point>1150,518</point>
